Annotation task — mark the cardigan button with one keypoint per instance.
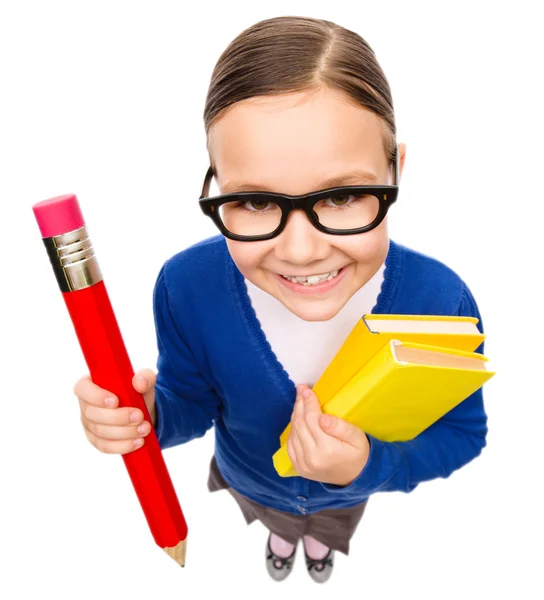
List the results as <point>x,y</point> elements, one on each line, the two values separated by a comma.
<point>301,509</point>
<point>302,498</point>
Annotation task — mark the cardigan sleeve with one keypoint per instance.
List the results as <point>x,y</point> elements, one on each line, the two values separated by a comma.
<point>451,442</point>
<point>186,404</point>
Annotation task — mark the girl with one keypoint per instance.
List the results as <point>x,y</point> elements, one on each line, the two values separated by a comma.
<point>301,140</point>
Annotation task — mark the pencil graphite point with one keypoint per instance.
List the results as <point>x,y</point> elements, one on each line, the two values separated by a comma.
<point>178,552</point>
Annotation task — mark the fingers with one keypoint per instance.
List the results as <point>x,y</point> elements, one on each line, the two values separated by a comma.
<point>317,454</point>
<point>292,452</point>
<point>114,446</point>
<point>298,451</point>
<point>301,425</point>
<point>109,427</point>
<point>92,393</point>
<point>119,423</point>
<point>144,383</point>
<point>114,415</point>
<point>301,444</point>
<point>144,380</point>
<point>112,438</point>
<point>312,414</point>
<point>344,431</point>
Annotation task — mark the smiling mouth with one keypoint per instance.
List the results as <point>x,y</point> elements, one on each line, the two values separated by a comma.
<point>313,279</point>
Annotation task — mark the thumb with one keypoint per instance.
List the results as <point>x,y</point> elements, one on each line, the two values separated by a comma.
<point>144,383</point>
<point>342,430</point>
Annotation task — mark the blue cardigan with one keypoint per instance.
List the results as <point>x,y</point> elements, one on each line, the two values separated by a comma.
<point>216,368</point>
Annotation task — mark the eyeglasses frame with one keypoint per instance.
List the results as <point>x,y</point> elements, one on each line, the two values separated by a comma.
<point>386,194</point>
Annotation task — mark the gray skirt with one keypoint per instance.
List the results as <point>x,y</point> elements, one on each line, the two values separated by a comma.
<point>332,527</point>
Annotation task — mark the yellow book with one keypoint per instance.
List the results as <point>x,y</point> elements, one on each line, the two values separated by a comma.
<point>395,375</point>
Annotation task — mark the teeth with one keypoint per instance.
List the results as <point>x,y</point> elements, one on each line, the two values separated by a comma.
<point>312,279</point>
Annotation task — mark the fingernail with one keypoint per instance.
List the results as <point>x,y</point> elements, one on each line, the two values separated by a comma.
<point>143,380</point>
<point>306,393</point>
<point>135,417</point>
<point>109,401</point>
<point>142,428</point>
<point>327,420</point>
<point>137,443</point>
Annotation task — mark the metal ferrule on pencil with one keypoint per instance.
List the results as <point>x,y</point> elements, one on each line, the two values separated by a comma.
<point>73,260</point>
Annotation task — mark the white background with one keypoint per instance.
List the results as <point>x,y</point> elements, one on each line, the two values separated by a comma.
<point>105,100</point>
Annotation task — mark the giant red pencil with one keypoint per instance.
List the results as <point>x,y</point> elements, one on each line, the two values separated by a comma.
<point>76,268</point>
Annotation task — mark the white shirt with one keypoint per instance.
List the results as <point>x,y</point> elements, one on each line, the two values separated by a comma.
<point>305,348</point>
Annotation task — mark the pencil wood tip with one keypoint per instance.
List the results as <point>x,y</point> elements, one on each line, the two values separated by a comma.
<point>178,552</point>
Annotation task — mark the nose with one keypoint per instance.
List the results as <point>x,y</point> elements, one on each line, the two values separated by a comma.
<point>300,243</point>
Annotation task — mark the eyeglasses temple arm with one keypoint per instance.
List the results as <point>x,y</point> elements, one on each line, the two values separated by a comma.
<point>396,166</point>
<point>206,185</point>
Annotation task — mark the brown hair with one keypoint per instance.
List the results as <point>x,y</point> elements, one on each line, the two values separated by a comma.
<point>295,54</point>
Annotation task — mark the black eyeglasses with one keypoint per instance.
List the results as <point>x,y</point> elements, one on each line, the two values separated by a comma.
<point>254,216</point>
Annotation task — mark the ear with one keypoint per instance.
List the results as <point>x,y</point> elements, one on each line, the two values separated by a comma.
<point>402,157</point>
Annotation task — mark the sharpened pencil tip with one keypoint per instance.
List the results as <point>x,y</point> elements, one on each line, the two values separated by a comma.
<point>178,552</point>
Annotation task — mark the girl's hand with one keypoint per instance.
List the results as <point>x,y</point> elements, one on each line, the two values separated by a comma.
<point>110,428</point>
<point>322,447</point>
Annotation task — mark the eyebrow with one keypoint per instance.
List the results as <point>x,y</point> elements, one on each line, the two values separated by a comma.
<point>357,177</point>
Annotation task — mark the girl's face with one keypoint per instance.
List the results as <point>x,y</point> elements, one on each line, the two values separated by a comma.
<point>296,144</point>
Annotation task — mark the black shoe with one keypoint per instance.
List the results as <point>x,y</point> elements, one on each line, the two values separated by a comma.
<point>320,569</point>
<point>278,568</point>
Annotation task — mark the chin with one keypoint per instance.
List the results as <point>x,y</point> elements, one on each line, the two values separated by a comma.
<point>315,313</point>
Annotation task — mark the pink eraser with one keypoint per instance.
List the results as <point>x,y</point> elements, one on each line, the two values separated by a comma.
<point>58,215</point>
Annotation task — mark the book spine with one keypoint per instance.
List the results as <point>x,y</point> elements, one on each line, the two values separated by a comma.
<point>363,383</point>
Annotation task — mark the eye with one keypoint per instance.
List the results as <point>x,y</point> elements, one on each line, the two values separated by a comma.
<point>251,207</point>
<point>340,200</point>
<point>258,205</point>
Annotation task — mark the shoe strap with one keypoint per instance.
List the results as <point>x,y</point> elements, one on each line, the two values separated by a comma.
<point>285,562</point>
<point>312,563</point>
